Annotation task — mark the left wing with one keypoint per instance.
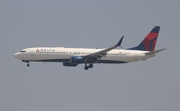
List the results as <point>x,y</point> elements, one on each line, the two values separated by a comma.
<point>102,53</point>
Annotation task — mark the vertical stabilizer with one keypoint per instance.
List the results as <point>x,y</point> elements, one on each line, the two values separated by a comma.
<point>149,42</point>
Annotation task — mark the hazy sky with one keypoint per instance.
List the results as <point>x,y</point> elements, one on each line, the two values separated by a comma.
<point>153,85</point>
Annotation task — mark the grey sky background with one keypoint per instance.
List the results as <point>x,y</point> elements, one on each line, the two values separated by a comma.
<point>152,85</point>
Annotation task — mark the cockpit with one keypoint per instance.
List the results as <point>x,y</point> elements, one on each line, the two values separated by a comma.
<point>22,51</point>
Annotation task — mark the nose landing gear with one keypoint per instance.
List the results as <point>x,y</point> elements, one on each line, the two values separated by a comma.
<point>28,65</point>
<point>26,62</point>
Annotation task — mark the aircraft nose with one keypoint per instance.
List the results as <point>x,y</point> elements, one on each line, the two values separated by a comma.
<point>16,55</point>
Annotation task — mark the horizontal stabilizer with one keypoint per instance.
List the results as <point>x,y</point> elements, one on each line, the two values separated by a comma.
<point>154,52</point>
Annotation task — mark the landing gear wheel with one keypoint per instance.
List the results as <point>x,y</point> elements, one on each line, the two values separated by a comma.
<point>86,67</point>
<point>90,65</point>
<point>28,65</point>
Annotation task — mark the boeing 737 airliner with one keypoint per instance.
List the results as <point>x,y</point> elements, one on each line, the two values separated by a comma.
<point>74,56</point>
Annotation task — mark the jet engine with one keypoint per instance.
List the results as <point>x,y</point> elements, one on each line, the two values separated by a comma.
<point>76,59</point>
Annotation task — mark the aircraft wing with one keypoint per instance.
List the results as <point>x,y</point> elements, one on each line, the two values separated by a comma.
<point>102,53</point>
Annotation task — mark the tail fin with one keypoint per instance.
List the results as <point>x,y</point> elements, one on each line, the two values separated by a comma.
<point>149,42</point>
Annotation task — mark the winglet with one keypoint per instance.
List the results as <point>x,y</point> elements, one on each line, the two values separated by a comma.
<point>120,41</point>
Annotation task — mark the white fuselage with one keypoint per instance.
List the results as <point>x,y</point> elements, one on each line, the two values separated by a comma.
<point>74,56</point>
<point>60,54</point>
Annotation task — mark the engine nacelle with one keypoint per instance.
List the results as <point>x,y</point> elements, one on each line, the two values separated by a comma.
<point>69,64</point>
<point>76,59</point>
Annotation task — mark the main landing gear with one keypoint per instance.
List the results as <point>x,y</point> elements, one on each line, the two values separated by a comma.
<point>87,67</point>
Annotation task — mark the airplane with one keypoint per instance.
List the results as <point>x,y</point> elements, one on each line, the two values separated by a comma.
<point>89,56</point>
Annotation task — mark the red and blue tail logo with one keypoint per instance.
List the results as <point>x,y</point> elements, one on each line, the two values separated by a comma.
<point>149,42</point>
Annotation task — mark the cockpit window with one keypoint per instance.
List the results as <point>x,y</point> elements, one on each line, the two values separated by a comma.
<point>22,51</point>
